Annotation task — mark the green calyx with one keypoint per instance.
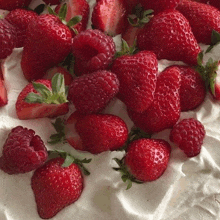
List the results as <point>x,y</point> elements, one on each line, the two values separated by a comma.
<point>126,50</point>
<point>62,15</point>
<point>125,174</point>
<point>208,71</point>
<point>135,134</point>
<point>58,94</point>
<point>140,16</point>
<point>60,135</point>
<point>215,40</point>
<point>69,159</point>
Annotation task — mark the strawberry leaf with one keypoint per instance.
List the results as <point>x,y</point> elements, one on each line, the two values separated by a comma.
<point>33,98</point>
<point>58,84</point>
<point>73,21</point>
<point>215,40</point>
<point>42,89</point>
<point>68,161</point>
<point>51,11</point>
<point>63,11</point>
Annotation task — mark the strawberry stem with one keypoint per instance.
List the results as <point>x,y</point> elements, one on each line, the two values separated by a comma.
<point>69,159</point>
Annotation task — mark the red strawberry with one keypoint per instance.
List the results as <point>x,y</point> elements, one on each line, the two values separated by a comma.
<point>59,69</point>
<point>3,93</point>
<point>23,151</point>
<point>13,4</point>
<point>192,89</point>
<point>169,35</point>
<point>110,16</point>
<point>94,49</point>
<point>145,160</point>
<point>137,75</point>
<point>203,19</point>
<point>56,187</point>
<point>92,92</point>
<point>215,3</point>
<point>188,134</point>
<point>159,5</point>
<point>7,38</point>
<point>95,133</point>
<point>164,112</point>
<point>75,8</point>
<point>43,98</point>
<point>48,43</point>
<point>20,19</point>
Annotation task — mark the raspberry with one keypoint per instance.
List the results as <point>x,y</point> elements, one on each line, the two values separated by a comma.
<point>188,134</point>
<point>91,93</point>
<point>23,151</point>
<point>94,48</point>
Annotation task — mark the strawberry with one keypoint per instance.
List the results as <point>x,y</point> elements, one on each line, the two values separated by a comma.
<point>43,98</point>
<point>159,5</point>
<point>137,75</point>
<point>55,186</point>
<point>164,112</point>
<point>203,19</point>
<point>3,93</point>
<point>23,151</point>
<point>192,89</point>
<point>188,134</point>
<point>48,43</point>
<point>68,78</point>
<point>217,88</point>
<point>77,8</point>
<point>7,38</point>
<point>92,92</point>
<point>94,133</point>
<point>94,49</point>
<point>20,19</point>
<point>169,36</point>
<point>110,16</point>
<point>145,160</point>
<point>13,4</point>
<point>215,3</point>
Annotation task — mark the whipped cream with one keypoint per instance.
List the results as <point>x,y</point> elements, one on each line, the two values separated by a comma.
<point>189,188</point>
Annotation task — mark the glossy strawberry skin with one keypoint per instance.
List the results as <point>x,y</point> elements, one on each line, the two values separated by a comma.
<point>147,159</point>
<point>92,92</point>
<point>137,75</point>
<point>13,4</point>
<point>192,89</point>
<point>188,134</point>
<point>110,16</point>
<point>48,43</point>
<point>160,5</point>
<point>170,36</point>
<point>26,110</point>
<point>7,38</point>
<point>164,112</point>
<point>20,19</point>
<point>203,19</point>
<point>94,49</point>
<point>23,151</point>
<point>74,8</point>
<point>96,133</point>
<point>56,187</point>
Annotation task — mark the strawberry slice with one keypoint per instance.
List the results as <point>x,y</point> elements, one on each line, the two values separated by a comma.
<point>75,8</point>
<point>43,98</point>
<point>110,16</point>
<point>3,91</point>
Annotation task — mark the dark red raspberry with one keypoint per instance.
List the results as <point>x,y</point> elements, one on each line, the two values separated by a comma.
<point>8,38</point>
<point>188,134</point>
<point>94,48</point>
<point>192,88</point>
<point>20,19</point>
<point>23,151</point>
<point>91,93</point>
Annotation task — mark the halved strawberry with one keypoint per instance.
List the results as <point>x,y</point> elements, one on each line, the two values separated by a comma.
<point>110,16</point>
<point>75,8</point>
<point>43,98</point>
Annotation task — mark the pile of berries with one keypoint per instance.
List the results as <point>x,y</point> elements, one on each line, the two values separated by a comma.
<point>65,64</point>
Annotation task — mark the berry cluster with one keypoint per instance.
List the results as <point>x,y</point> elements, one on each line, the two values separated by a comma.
<point>66,65</point>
